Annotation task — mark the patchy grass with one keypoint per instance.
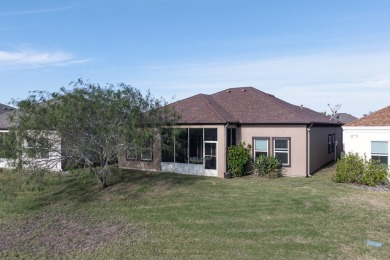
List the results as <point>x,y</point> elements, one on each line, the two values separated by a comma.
<point>167,216</point>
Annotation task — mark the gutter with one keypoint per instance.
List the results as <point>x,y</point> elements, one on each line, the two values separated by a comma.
<point>308,150</point>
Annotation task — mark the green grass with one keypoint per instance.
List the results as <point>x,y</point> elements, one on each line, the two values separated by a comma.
<point>167,216</point>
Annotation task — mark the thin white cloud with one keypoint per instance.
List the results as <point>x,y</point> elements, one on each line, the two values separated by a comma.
<point>359,81</point>
<point>28,57</point>
<point>37,11</point>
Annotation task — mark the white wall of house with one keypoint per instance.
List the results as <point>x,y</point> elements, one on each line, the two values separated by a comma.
<point>52,163</point>
<point>4,162</point>
<point>357,139</point>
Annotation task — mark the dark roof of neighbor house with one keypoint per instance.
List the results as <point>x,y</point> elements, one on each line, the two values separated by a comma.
<point>5,108</point>
<point>245,105</point>
<point>345,118</point>
<point>378,118</point>
<point>4,113</point>
<point>4,122</point>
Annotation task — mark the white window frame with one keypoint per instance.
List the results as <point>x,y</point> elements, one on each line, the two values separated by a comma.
<point>261,151</point>
<point>381,154</point>
<point>277,150</point>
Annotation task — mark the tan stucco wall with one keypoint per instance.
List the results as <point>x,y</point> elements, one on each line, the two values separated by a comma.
<point>298,143</point>
<point>154,165</point>
<point>319,155</point>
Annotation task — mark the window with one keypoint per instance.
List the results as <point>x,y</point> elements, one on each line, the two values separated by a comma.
<point>186,145</point>
<point>260,147</point>
<point>282,150</point>
<point>231,136</point>
<point>167,145</point>
<point>333,142</point>
<point>37,148</point>
<point>329,143</point>
<point>379,151</point>
<point>7,145</point>
<point>131,152</point>
<point>196,145</point>
<point>147,150</point>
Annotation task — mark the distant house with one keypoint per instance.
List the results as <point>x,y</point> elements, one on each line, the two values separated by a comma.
<point>344,118</point>
<point>33,156</point>
<point>5,160</point>
<point>369,136</point>
<point>304,140</point>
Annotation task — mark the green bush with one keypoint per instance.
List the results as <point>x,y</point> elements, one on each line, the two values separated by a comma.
<point>374,173</point>
<point>268,166</point>
<point>355,169</point>
<point>237,159</point>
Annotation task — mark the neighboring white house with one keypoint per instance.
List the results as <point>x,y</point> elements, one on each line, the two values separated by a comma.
<point>36,157</point>
<point>369,136</point>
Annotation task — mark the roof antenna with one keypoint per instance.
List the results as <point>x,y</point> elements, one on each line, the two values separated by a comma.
<point>334,110</point>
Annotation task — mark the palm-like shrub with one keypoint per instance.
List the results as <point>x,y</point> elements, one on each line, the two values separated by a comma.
<point>269,166</point>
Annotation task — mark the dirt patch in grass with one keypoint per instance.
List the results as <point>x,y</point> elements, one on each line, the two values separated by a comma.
<point>61,234</point>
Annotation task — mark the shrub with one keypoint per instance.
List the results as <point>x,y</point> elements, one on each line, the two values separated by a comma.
<point>268,166</point>
<point>374,173</point>
<point>237,159</point>
<point>355,169</point>
<point>349,168</point>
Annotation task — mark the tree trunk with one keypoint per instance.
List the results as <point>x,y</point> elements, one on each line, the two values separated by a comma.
<point>102,182</point>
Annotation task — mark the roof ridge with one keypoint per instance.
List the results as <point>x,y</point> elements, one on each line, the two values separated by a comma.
<point>205,97</point>
<point>372,115</point>
<point>272,98</point>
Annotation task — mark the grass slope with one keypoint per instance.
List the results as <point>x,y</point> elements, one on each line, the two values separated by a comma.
<point>168,216</point>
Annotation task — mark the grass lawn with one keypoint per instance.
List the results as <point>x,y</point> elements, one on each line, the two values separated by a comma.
<point>168,216</point>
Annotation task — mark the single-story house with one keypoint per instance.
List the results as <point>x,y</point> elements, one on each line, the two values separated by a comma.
<point>33,158</point>
<point>304,140</point>
<point>369,136</point>
<point>5,160</point>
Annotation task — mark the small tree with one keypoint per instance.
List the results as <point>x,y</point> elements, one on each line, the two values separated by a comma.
<point>237,159</point>
<point>87,126</point>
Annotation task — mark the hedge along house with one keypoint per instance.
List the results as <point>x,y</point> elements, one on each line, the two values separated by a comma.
<point>303,139</point>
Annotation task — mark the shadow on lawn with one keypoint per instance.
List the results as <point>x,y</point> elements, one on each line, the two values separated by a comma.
<point>82,187</point>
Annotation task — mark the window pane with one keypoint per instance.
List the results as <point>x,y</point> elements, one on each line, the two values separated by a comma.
<point>261,145</point>
<point>231,137</point>
<point>381,159</point>
<point>210,163</point>
<point>379,147</point>
<point>210,134</point>
<point>167,145</point>
<point>281,145</point>
<point>196,145</point>
<point>257,154</point>
<point>181,146</point>
<point>283,157</point>
<point>146,154</point>
<point>131,153</point>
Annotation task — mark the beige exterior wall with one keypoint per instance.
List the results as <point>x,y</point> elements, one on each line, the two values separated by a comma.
<point>297,143</point>
<point>154,165</point>
<point>300,162</point>
<point>319,155</point>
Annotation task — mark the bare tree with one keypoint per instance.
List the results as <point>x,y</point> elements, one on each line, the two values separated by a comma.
<point>86,126</point>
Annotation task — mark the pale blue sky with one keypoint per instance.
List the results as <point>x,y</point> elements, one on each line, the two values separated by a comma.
<point>304,52</point>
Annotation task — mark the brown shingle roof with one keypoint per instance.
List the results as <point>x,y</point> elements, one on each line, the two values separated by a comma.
<point>245,105</point>
<point>378,118</point>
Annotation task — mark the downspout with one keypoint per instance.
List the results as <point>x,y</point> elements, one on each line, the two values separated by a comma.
<point>308,150</point>
<point>225,150</point>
